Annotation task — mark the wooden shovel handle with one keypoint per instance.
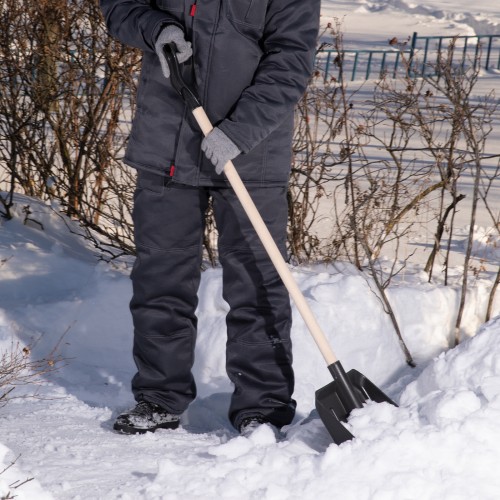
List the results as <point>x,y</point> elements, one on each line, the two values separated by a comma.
<point>270,246</point>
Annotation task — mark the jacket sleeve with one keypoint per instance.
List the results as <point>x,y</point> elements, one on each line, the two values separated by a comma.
<point>289,43</point>
<point>134,22</point>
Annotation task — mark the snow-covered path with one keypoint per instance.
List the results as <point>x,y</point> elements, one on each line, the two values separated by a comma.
<point>443,441</point>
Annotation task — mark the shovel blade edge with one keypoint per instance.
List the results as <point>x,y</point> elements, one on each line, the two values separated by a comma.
<point>334,409</point>
<point>368,388</point>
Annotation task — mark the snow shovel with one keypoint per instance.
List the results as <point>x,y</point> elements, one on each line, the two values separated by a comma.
<point>348,391</point>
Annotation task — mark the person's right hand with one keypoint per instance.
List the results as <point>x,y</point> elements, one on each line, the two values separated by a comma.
<point>174,34</point>
<point>219,149</point>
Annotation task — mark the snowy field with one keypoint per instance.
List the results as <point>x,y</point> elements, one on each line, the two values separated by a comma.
<point>443,441</point>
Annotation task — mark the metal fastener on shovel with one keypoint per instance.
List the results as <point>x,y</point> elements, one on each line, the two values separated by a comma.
<point>348,391</point>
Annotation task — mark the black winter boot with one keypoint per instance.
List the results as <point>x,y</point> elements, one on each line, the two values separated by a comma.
<point>250,424</point>
<point>144,417</point>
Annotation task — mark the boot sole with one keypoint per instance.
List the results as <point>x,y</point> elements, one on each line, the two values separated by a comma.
<point>128,429</point>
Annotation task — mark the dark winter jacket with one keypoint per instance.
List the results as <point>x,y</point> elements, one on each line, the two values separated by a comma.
<point>251,64</point>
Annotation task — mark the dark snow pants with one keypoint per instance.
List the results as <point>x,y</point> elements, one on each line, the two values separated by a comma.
<point>169,224</point>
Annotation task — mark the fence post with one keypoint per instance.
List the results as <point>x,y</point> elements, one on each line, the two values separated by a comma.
<point>439,57</point>
<point>382,64</point>
<point>369,66</point>
<point>464,52</point>
<point>424,62</point>
<point>488,52</point>
<point>355,67</point>
<point>327,66</point>
<point>413,47</point>
<point>396,65</point>
<point>477,54</point>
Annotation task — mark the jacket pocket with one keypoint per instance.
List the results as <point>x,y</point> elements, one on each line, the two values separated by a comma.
<point>153,183</point>
<point>249,12</point>
<point>170,5</point>
<point>143,84</point>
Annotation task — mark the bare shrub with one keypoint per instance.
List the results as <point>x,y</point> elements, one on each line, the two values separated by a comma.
<point>18,369</point>
<point>66,91</point>
<point>371,164</point>
<point>14,485</point>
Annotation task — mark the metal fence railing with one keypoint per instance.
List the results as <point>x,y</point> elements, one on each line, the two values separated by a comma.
<point>470,51</point>
<point>420,56</point>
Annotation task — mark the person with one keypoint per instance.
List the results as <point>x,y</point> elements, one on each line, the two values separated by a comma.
<point>250,61</point>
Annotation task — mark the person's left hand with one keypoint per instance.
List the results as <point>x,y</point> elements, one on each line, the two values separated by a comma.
<point>219,149</point>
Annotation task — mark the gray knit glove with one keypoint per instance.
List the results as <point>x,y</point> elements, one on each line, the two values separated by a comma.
<point>174,34</point>
<point>219,149</point>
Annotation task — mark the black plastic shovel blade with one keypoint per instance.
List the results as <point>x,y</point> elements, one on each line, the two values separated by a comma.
<point>348,391</point>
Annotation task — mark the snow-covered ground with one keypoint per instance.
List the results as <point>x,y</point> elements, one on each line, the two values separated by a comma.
<point>369,24</point>
<point>443,441</point>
